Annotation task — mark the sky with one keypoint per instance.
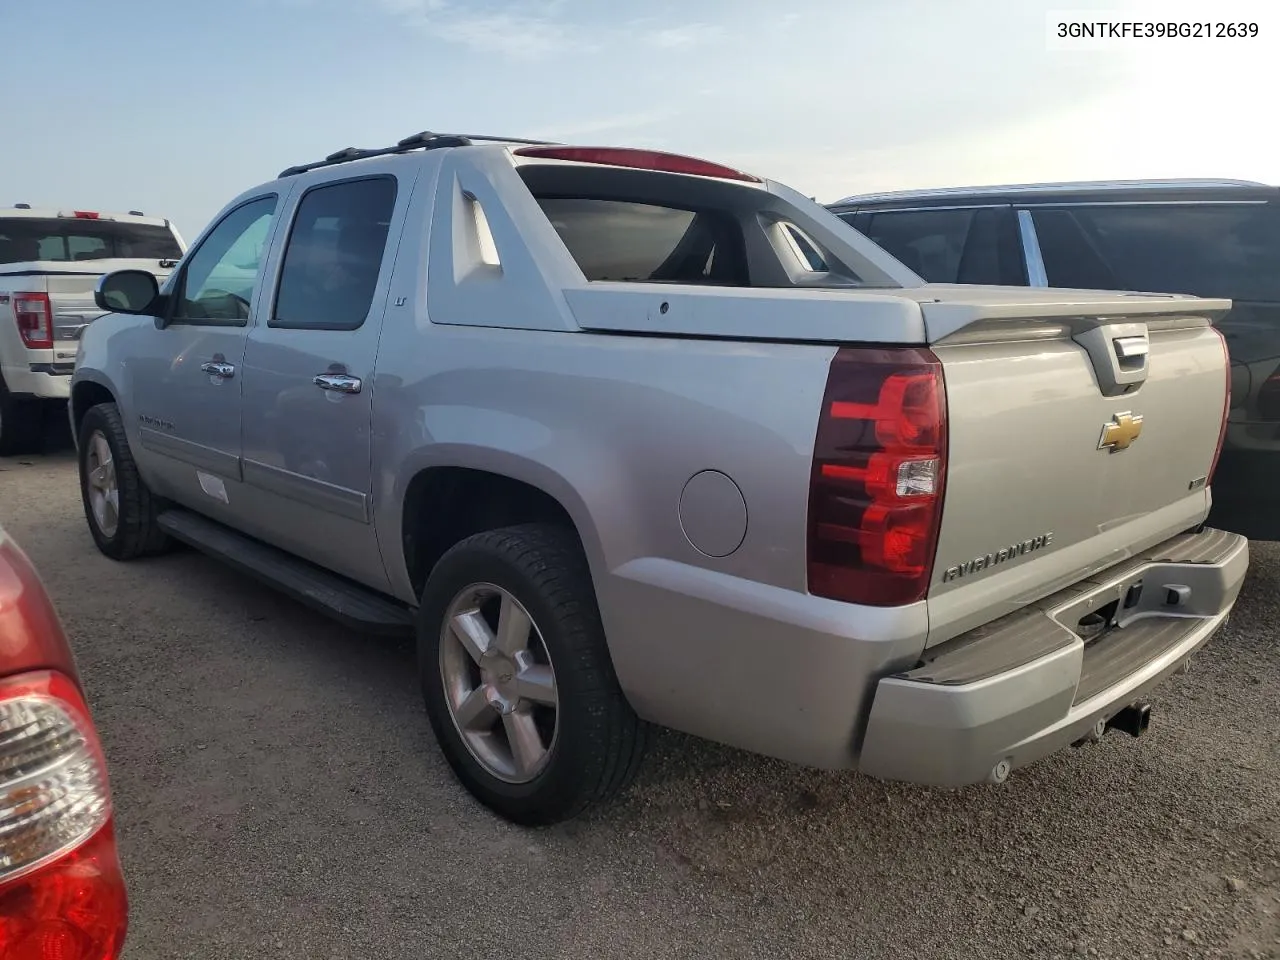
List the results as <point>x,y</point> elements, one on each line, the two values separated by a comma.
<point>175,106</point>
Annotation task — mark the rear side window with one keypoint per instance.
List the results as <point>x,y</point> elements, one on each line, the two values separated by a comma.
<point>72,240</point>
<point>1209,250</point>
<point>808,250</point>
<point>943,246</point>
<point>638,242</point>
<point>334,255</point>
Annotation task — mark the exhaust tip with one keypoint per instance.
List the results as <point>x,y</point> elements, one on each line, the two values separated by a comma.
<point>1134,719</point>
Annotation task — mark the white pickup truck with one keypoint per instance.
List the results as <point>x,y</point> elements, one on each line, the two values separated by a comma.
<point>50,261</point>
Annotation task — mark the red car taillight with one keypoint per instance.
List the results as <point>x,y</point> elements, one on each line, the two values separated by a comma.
<point>879,461</point>
<point>34,316</point>
<point>1226,408</point>
<point>62,896</point>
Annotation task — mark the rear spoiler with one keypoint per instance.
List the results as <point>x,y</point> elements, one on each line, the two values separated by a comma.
<point>973,309</point>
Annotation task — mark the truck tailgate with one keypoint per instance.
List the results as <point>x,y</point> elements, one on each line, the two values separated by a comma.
<point>71,296</point>
<point>1076,438</point>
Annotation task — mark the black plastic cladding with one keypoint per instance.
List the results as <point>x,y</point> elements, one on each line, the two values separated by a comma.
<point>425,140</point>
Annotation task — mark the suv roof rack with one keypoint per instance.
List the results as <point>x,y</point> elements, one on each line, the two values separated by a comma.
<point>1082,186</point>
<point>424,140</point>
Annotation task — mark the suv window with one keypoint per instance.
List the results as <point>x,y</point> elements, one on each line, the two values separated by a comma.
<point>334,255</point>
<point>218,277</point>
<point>625,241</point>
<point>942,246</point>
<point>1208,250</point>
<point>67,240</point>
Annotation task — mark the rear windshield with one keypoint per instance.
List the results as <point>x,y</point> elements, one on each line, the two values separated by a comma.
<point>639,242</point>
<point>74,240</point>
<point>1208,250</point>
<point>626,225</point>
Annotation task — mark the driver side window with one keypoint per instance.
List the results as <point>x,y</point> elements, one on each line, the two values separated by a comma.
<point>218,278</point>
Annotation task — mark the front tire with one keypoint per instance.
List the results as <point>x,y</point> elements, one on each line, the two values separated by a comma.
<point>118,506</point>
<point>517,679</point>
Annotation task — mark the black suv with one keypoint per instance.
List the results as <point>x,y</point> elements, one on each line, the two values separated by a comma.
<point>1211,238</point>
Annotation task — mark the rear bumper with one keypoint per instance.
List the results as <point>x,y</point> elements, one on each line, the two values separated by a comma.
<point>44,380</point>
<point>1025,686</point>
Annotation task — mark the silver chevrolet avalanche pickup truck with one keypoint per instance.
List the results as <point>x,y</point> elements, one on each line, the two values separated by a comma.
<point>627,438</point>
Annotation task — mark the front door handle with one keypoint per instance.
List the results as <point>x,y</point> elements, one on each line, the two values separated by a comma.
<point>219,368</point>
<point>339,382</point>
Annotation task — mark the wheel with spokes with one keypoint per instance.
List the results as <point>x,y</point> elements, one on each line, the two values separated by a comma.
<point>498,681</point>
<point>120,510</point>
<point>517,678</point>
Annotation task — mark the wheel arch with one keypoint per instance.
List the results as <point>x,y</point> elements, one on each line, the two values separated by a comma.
<point>87,391</point>
<point>460,492</point>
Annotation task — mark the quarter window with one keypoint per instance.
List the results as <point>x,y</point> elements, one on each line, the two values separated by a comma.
<point>942,246</point>
<point>1208,250</point>
<point>334,256</point>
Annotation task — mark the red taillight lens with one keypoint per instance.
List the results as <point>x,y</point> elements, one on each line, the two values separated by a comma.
<point>34,316</point>
<point>1226,407</point>
<point>73,909</point>
<point>637,159</point>
<point>62,896</point>
<point>875,497</point>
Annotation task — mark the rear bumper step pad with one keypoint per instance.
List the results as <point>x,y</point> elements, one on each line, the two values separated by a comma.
<point>1028,684</point>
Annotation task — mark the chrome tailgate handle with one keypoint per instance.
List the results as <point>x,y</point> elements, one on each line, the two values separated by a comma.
<point>218,368</point>
<point>338,382</point>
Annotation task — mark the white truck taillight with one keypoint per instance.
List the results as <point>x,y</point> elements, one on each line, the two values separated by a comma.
<point>61,892</point>
<point>879,465</point>
<point>34,316</point>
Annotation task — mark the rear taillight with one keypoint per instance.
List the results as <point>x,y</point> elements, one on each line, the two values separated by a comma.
<point>61,892</point>
<point>34,316</point>
<point>879,461</point>
<point>1226,407</point>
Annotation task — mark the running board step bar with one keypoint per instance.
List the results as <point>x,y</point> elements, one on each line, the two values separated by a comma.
<point>349,603</point>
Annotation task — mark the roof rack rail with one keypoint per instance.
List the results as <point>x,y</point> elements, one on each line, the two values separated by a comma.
<point>424,140</point>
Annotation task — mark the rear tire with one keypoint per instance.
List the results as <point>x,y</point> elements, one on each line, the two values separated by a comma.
<point>21,424</point>
<point>491,713</point>
<point>119,508</point>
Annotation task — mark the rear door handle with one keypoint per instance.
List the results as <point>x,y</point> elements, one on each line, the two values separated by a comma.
<point>218,368</point>
<point>338,382</point>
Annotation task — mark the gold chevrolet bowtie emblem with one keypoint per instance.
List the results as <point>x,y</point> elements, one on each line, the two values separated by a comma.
<point>1123,429</point>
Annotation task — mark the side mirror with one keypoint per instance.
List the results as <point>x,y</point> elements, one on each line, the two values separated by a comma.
<point>127,291</point>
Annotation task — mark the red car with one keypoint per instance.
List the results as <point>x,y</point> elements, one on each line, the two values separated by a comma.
<point>62,895</point>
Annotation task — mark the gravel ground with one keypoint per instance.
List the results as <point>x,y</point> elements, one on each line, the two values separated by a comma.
<point>279,794</point>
